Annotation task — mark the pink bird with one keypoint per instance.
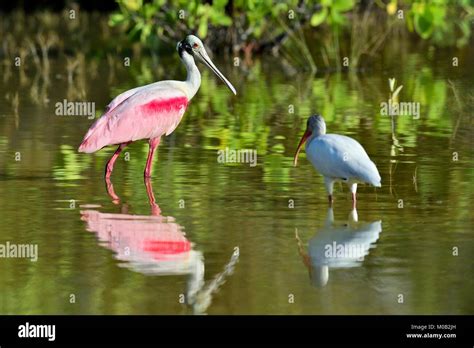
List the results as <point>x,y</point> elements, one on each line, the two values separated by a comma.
<point>151,111</point>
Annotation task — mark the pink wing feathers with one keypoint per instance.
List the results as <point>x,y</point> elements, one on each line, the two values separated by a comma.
<point>140,113</point>
<point>116,101</point>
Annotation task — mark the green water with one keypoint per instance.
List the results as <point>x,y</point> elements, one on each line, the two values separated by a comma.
<point>229,230</point>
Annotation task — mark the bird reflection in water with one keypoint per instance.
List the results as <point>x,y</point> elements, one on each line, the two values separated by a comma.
<point>338,246</point>
<point>156,245</point>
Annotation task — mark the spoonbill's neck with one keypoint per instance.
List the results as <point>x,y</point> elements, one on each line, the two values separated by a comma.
<point>193,79</point>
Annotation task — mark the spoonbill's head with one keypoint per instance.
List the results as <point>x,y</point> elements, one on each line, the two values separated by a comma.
<point>315,126</point>
<point>194,47</point>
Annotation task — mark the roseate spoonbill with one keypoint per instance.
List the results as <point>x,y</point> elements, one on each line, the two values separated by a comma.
<point>337,158</point>
<point>338,246</point>
<point>151,111</point>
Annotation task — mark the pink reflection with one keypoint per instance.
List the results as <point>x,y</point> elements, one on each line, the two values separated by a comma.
<point>155,245</point>
<point>151,244</point>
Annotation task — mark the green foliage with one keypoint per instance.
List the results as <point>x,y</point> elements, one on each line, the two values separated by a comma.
<point>332,12</point>
<point>144,20</point>
<point>250,22</point>
<point>446,22</point>
<point>260,16</point>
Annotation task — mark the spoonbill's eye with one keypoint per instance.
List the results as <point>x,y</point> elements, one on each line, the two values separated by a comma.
<point>195,45</point>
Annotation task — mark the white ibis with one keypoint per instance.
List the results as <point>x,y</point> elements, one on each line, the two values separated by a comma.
<point>337,158</point>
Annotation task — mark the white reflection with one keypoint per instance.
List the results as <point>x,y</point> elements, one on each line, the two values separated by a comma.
<point>338,246</point>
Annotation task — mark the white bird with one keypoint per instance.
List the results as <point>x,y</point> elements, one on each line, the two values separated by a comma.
<point>337,158</point>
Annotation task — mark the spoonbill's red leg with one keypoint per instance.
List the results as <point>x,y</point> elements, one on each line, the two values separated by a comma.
<point>110,164</point>
<point>153,145</point>
<point>111,191</point>
<point>155,209</point>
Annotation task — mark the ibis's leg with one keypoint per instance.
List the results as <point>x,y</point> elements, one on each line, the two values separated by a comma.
<point>329,183</point>
<point>329,218</point>
<point>110,164</point>
<point>153,145</point>
<point>353,188</point>
<point>353,217</point>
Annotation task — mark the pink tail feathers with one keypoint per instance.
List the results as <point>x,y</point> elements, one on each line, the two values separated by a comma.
<point>94,139</point>
<point>88,146</point>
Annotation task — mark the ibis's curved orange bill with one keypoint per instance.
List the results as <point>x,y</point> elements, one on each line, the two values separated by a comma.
<point>305,136</point>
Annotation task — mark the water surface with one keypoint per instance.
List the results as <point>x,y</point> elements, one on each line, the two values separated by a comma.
<point>231,238</point>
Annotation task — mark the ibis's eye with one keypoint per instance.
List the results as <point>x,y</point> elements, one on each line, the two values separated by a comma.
<point>195,45</point>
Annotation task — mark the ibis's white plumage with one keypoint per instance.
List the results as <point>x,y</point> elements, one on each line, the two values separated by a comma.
<point>337,157</point>
<point>342,158</point>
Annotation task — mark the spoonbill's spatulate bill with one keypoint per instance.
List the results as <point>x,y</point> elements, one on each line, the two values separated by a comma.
<point>150,111</point>
<point>337,158</point>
